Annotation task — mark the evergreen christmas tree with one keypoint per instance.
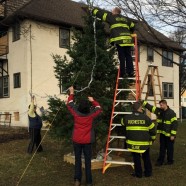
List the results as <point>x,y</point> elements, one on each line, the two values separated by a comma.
<point>77,72</point>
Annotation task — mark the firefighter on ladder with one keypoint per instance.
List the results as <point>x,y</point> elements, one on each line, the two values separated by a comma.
<point>140,133</point>
<point>121,29</point>
<point>167,128</point>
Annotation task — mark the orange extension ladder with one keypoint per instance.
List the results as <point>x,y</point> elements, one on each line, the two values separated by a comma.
<point>135,91</point>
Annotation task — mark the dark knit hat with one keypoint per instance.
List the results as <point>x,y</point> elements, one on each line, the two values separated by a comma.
<point>84,107</point>
<point>136,106</point>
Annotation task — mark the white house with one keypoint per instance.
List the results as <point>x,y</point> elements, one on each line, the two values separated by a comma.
<point>41,28</point>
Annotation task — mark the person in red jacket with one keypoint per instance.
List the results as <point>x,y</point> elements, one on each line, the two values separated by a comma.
<point>83,134</point>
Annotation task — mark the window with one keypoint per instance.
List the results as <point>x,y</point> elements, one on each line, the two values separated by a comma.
<point>149,86</point>
<point>64,83</point>
<point>64,38</point>
<point>4,86</point>
<point>138,53</point>
<point>184,99</point>
<point>167,59</point>
<point>168,90</point>
<point>150,54</point>
<point>16,32</point>
<point>17,80</point>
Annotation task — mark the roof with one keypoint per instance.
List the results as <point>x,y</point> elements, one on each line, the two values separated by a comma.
<point>151,36</point>
<point>70,13</point>
<point>61,12</point>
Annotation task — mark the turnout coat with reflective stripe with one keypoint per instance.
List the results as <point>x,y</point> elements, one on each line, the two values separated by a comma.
<point>83,131</point>
<point>140,132</point>
<point>120,27</point>
<point>166,120</point>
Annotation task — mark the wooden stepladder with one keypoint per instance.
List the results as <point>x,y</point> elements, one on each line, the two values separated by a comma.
<point>152,81</point>
<point>123,97</point>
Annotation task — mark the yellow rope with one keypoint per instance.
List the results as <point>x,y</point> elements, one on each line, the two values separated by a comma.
<point>37,148</point>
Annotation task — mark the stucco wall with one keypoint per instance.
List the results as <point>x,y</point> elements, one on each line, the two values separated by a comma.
<point>17,62</point>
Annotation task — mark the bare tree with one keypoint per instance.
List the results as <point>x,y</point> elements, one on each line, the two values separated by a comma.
<point>157,13</point>
<point>179,35</point>
<point>164,15</point>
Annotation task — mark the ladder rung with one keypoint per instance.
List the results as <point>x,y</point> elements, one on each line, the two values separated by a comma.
<point>151,100</point>
<point>126,101</point>
<point>126,89</point>
<point>158,75</point>
<point>152,65</point>
<point>154,85</point>
<point>120,162</point>
<point>116,124</point>
<point>118,137</point>
<point>128,78</point>
<point>146,93</point>
<point>122,112</point>
<point>117,149</point>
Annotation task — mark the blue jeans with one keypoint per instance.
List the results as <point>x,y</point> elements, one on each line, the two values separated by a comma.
<point>87,151</point>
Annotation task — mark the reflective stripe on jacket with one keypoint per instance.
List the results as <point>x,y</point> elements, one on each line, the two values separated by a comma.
<point>121,28</point>
<point>166,120</point>
<point>140,132</point>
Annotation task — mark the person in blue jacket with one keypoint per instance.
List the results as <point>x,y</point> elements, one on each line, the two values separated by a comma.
<point>35,125</point>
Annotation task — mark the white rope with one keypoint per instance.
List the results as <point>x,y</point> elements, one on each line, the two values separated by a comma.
<point>42,97</point>
<point>95,59</point>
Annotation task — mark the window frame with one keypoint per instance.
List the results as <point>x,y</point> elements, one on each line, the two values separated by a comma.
<point>16,32</point>
<point>166,61</point>
<point>61,45</point>
<point>149,86</point>
<point>2,94</point>
<point>168,84</point>
<point>139,53</point>
<point>19,81</point>
<point>150,58</point>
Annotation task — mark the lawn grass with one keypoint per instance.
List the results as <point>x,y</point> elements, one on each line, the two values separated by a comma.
<point>49,169</point>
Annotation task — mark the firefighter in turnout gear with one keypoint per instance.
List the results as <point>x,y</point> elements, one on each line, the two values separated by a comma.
<point>140,134</point>
<point>121,29</point>
<point>167,128</point>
